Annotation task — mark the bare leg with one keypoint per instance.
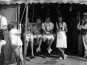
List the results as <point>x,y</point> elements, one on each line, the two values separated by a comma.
<point>62,52</point>
<point>16,52</point>
<point>49,46</point>
<point>32,47</point>
<point>39,47</point>
<point>85,45</point>
<point>21,56</point>
<point>25,52</point>
<point>50,43</point>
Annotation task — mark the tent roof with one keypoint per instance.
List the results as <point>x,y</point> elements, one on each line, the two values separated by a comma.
<point>42,1</point>
<point>12,1</point>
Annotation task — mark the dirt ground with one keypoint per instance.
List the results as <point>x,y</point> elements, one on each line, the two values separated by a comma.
<point>54,60</point>
<point>70,60</point>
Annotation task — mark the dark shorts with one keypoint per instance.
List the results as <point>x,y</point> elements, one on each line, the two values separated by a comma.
<point>1,35</point>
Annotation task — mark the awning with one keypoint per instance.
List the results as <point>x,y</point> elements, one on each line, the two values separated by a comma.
<point>12,1</point>
<point>60,1</point>
<point>42,1</point>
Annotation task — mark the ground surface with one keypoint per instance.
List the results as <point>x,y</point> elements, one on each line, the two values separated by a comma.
<point>53,60</point>
<point>70,60</point>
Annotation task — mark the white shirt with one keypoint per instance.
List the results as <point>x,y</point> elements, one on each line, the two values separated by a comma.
<point>64,26</point>
<point>3,21</point>
<point>15,39</point>
<point>82,26</point>
<point>47,26</point>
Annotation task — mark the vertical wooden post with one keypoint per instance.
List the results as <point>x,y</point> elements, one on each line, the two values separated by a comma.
<point>25,29</point>
<point>33,14</point>
<point>18,21</point>
<point>19,14</point>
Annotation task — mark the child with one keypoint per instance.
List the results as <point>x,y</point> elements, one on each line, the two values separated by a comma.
<point>15,40</point>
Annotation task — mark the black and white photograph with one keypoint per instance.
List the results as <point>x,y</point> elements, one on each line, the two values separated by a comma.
<point>43,32</point>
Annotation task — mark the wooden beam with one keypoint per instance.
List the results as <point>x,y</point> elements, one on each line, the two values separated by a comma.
<point>25,29</point>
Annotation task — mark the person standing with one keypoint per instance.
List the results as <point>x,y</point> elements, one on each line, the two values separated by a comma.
<point>47,28</point>
<point>83,28</point>
<point>4,35</point>
<point>61,42</point>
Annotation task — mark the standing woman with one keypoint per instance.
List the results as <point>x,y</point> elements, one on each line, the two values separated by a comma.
<point>61,42</point>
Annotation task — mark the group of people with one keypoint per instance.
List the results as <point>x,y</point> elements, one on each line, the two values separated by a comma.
<point>11,43</point>
<point>38,32</point>
<point>42,32</point>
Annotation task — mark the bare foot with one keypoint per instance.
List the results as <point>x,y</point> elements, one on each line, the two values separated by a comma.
<point>49,50</point>
<point>38,49</point>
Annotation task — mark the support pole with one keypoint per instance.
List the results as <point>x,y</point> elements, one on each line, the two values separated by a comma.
<point>19,14</point>
<point>25,29</point>
<point>33,14</point>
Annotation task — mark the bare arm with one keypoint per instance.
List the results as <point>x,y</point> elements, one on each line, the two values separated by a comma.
<point>3,23</point>
<point>19,28</point>
<point>78,26</point>
<point>43,28</point>
<point>57,27</point>
<point>84,27</point>
<point>17,32</point>
<point>66,30</point>
<point>3,28</point>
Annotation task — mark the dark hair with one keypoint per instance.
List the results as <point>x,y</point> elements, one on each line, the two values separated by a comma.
<point>38,17</point>
<point>48,17</point>
<point>60,16</point>
<point>12,25</point>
